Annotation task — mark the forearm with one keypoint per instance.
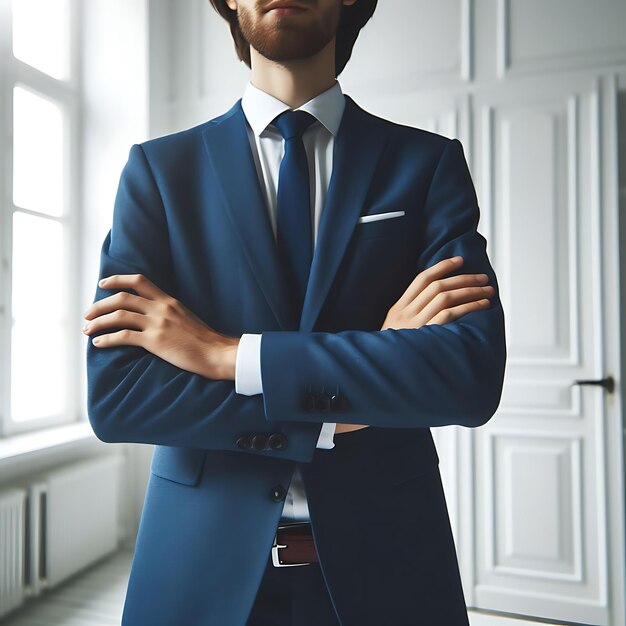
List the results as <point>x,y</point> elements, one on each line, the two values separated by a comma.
<point>135,396</point>
<point>248,380</point>
<point>407,378</point>
<point>434,375</point>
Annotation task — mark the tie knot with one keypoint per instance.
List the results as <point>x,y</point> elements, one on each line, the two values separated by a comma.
<point>293,123</point>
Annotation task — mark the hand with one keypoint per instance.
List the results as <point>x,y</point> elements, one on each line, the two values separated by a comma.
<point>432,299</point>
<point>162,325</point>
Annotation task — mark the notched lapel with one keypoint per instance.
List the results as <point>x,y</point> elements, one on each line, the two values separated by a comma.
<point>229,151</point>
<point>359,145</point>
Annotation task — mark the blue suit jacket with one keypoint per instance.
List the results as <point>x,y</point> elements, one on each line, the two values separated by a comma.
<point>189,214</point>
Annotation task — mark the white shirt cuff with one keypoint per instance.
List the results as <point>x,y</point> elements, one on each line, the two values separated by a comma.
<point>327,436</point>
<point>248,380</point>
<point>248,365</point>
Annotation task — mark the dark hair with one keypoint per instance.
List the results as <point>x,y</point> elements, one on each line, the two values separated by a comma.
<point>353,18</point>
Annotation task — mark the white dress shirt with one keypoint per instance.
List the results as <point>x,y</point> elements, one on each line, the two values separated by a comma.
<point>267,145</point>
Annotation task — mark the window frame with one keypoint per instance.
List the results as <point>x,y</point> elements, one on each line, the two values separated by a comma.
<point>67,94</point>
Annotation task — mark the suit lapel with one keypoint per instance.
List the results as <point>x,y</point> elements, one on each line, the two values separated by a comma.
<point>358,146</point>
<point>233,164</point>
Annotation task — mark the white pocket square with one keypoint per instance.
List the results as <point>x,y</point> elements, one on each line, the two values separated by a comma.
<point>379,216</point>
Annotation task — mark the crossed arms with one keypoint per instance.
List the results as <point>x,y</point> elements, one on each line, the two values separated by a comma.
<point>449,372</point>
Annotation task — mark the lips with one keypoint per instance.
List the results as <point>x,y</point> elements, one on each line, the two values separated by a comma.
<point>284,4</point>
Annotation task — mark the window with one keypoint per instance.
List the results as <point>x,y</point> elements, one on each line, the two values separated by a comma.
<point>39,134</point>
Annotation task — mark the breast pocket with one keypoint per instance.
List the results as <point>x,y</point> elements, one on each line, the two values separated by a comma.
<point>377,224</point>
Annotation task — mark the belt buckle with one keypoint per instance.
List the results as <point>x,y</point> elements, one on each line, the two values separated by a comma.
<point>275,546</point>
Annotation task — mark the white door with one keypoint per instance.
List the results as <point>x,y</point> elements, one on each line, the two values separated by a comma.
<point>540,464</point>
<point>529,494</point>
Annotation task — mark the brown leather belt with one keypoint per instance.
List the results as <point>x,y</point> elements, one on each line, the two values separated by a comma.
<point>293,545</point>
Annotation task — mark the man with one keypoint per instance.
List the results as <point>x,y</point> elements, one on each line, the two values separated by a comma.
<point>286,338</point>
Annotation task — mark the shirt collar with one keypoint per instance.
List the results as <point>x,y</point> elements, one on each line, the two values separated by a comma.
<point>260,108</point>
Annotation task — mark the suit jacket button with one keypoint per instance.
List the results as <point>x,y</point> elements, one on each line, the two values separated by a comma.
<point>309,403</point>
<point>278,441</point>
<point>259,442</point>
<point>323,403</point>
<point>244,442</point>
<point>278,493</point>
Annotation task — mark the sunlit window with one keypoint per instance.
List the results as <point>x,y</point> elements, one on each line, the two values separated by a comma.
<point>41,35</point>
<point>38,341</point>
<point>37,153</point>
<point>37,216</point>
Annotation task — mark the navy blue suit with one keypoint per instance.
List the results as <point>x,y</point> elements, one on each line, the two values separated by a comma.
<point>189,215</point>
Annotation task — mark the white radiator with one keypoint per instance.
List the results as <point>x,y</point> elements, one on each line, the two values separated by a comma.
<point>61,522</point>
<point>12,545</point>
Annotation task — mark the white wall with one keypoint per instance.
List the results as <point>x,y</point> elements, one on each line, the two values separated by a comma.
<point>115,82</point>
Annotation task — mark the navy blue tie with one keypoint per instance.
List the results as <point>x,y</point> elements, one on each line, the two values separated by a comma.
<point>293,221</point>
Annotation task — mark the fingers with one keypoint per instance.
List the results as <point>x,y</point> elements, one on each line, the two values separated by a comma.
<point>448,299</point>
<point>452,284</point>
<point>454,313</point>
<point>124,337</point>
<point>432,298</point>
<point>120,300</point>
<point>137,282</point>
<point>423,279</point>
<point>119,318</point>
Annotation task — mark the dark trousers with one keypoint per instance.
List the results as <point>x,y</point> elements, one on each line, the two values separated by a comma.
<point>292,596</point>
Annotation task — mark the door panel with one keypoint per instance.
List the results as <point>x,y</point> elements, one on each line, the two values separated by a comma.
<point>541,495</point>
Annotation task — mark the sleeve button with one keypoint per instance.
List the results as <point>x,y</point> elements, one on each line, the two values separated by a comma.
<point>338,402</point>
<point>259,442</point>
<point>278,441</point>
<point>244,442</point>
<point>323,403</point>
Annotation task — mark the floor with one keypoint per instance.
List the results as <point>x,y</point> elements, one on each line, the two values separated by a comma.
<point>96,597</point>
<point>93,598</point>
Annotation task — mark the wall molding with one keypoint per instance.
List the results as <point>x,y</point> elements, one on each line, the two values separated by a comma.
<point>507,66</point>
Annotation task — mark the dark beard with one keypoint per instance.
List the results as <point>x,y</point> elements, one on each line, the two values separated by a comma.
<point>287,38</point>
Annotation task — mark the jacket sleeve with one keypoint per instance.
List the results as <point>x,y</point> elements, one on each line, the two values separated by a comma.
<point>435,375</point>
<point>135,396</point>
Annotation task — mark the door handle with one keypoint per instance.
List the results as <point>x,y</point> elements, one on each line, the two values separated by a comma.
<point>608,383</point>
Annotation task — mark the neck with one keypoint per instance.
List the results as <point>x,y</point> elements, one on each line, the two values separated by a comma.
<point>295,82</point>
